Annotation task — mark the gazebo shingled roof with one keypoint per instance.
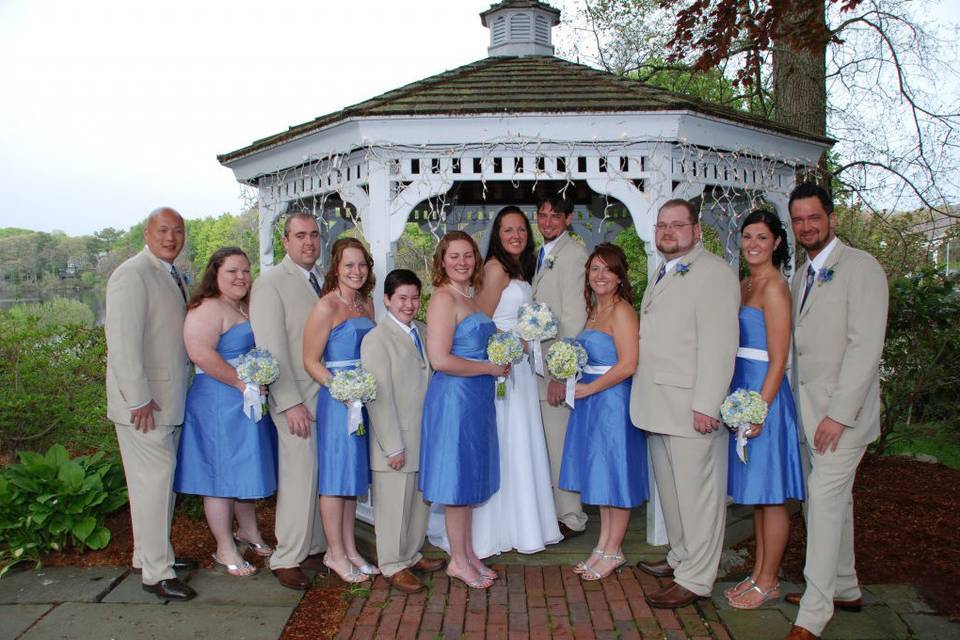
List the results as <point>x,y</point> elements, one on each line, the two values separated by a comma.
<point>525,84</point>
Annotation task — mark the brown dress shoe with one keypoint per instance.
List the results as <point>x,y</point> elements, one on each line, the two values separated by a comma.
<point>660,569</point>
<point>292,578</point>
<point>799,633</point>
<point>673,597</point>
<point>172,589</point>
<point>179,564</point>
<point>429,564</point>
<point>568,533</point>
<point>405,581</point>
<point>843,605</point>
<point>314,562</point>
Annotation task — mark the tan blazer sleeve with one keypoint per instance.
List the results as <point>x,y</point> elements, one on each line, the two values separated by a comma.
<point>124,325</point>
<point>867,302</point>
<point>718,334</point>
<point>384,412</point>
<point>573,310</point>
<point>267,317</point>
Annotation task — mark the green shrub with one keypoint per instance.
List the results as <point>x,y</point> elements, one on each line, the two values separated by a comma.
<point>50,502</point>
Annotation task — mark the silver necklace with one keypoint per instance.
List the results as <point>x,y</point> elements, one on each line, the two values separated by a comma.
<point>357,301</point>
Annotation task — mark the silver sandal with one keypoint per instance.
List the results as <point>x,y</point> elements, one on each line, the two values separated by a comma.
<point>261,549</point>
<point>233,569</point>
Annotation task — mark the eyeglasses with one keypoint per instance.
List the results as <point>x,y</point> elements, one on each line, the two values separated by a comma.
<point>673,226</point>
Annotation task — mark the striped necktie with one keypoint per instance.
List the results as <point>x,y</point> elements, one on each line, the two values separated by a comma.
<point>416,341</point>
<point>314,283</point>
<point>540,258</point>
<point>661,273</point>
<point>176,278</point>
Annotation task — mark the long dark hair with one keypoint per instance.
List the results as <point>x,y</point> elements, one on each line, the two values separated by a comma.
<point>614,257</point>
<point>519,267</point>
<point>781,254</point>
<point>330,280</point>
<point>208,281</point>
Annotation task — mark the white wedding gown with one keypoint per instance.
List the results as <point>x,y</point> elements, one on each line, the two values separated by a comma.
<point>521,515</point>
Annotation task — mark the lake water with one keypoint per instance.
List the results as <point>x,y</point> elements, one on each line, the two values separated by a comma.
<point>92,298</point>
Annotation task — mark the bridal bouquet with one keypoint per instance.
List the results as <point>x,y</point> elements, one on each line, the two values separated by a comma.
<point>739,410</point>
<point>256,368</point>
<point>504,348</point>
<point>535,322</point>
<point>566,359</point>
<point>354,387</point>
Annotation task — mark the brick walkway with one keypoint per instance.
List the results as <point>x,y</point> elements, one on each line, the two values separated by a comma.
<point>527,602</point>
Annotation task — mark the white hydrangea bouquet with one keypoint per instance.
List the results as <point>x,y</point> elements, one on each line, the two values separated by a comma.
<point>354,387</point>
<point>566,359</point>
<point>739,410</point>
<point>504,348</point>
<point>256,368</point>
<point>535,322</point>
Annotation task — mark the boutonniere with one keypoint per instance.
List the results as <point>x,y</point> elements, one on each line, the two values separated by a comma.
<point>682,268</point>
<point>186,278</point>
<point>824,275</point>
<point>549,260</point>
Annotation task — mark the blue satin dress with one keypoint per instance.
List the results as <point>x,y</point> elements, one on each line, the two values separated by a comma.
<point>459,452</point>
<point>773,471</point>
<point>344,464</point>
<point>222,452</point>
<point>604,455</point>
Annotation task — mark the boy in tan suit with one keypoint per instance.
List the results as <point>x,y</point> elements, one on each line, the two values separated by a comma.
<point>688,343</point>
<point>840,310</point>
<point>147,377</point>
<point>280,301</point>
<point>558,283</point>
<point>394,353</point>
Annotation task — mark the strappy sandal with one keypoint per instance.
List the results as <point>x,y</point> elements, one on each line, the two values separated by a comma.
<point>737,589</point>
<point>260,548</point>
<point>351,577</point>
<point>482,583</point>
<point>488,573</point>
<point>773,593</point>
<point>592,575</point>
<point>242,570</point>
<point>582,565</point>
<point>366,568</point>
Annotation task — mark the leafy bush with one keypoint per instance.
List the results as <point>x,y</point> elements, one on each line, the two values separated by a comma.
<point>57,312</point>
<point>50,502</point>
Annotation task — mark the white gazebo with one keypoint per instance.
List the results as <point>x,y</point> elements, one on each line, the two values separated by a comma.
<point>449,150</point>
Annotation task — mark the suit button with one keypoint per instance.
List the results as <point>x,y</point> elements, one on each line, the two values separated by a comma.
<point>799,353</point>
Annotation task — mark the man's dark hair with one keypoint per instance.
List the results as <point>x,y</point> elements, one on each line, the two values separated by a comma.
<point>557,202</point>
<point>399,277</point>
<point>692,211</point>
<point>811,190</point>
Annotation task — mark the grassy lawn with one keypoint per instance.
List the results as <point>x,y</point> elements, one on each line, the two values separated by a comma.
<point>938,439</point>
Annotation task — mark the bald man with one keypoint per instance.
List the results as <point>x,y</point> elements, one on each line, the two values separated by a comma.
<point>147,377</point>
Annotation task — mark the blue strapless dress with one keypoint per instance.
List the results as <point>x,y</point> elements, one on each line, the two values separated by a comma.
<point>459,452</point>
<point>222,452</point>
<point>604,455</point>
<point>773,472</point>
<point>344,464</point>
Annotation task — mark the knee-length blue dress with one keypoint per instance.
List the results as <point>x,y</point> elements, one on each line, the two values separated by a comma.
<point>459,452</point>
<point>344,463</point>
<point>604,455</point>
<point>773,471</point>
<point>222,452</point>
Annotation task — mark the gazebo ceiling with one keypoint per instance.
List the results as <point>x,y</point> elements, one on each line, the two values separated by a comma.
<point>519,85</point>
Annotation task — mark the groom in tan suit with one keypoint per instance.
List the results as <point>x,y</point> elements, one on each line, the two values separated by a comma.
<point>558,283</point>
<point>147,377</point>
<point>280,302</point>
<point>394,353</point>
<point>840,310</point>
<point>688,343</point>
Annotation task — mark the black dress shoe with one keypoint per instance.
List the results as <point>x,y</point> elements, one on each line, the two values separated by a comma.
<point>568,533</point>
<point>172,589</point>
<point>179,564</point>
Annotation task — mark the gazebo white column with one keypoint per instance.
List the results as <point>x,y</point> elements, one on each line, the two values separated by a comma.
<point>269,212</point>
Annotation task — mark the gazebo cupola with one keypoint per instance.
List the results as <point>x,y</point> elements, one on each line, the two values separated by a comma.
<point>520,28</point>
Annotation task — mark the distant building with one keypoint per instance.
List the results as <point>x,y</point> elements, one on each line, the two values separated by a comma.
<point>942,231</point>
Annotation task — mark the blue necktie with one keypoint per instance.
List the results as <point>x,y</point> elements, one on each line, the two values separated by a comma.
<point>416,341</point>
<point>540,258</point>
<point>176,278</point>
<point>314,283</point>
<point>811,276</point>
<point>661,273</point>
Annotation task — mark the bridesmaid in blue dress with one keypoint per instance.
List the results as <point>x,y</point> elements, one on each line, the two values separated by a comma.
<point>331,342</point>
<point>459,455</point>
<point>773,471</point>
<point>604,454</point>
<point>223,455</point>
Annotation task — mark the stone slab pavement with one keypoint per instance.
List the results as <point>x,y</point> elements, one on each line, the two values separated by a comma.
<point>527,603</point>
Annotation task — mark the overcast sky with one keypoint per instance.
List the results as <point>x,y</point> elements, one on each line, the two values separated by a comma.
<point>109,108</point>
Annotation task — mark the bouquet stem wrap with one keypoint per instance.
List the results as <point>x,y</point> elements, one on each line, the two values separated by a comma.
<point>257,368</point>
<point>253,402</point>
<point>355,418</point>
<point>353,387</point>
<point>536,350</point>
<point>571,388</point>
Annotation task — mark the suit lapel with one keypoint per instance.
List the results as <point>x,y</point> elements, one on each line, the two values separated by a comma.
<point>404,340</point>
<point>561,243</point>
<point>165,275</point>
<point>831,263</point>
<point>293,270</point>
<point>672,276</point>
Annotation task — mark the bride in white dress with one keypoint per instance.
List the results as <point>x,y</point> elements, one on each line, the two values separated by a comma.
<point>521,515</point>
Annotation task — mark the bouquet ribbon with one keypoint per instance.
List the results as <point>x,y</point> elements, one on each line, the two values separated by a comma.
<point>594,370</point>
<point>537,352</point>
<point>741,434</point>
<point>253,402</point>
<point>355,418</point>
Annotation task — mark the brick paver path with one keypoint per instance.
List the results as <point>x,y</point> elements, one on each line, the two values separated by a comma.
<point>535,603</point>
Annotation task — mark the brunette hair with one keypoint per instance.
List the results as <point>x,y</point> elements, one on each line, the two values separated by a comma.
<point>521,266</point>
<point>300,215</point>
<point>558,202</point>
<point>439,276</point>
<point>208,281</point>
<point>614,257</point>
<point>330,279</point>
<point>692,211</point>
<point>811,190</point>
<point>781,254</point>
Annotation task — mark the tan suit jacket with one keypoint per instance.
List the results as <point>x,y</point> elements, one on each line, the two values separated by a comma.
<point>838,341</point>
<point>146,357</point>
<point>280,302</point>
<point>560,287</point>
<point>402,377</point>
<point>689,333</point>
